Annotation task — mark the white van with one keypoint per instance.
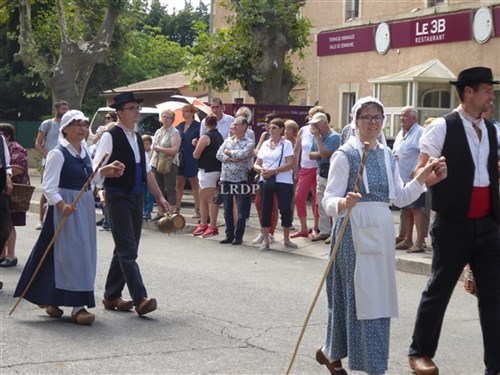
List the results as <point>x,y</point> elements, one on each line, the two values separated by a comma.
<point>148,123</point>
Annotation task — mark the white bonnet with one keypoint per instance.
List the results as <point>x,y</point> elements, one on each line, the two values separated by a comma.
<point>71,116</point>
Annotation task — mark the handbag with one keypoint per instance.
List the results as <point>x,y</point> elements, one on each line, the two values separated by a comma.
<point>324,169</point>
<point>164,165</point>
<point>217,198</point>
<point>270,183</point>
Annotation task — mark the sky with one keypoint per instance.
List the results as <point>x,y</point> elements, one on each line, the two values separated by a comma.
<point>179,4</point>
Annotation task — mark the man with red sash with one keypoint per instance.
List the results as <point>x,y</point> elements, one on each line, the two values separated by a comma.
<point>465,198</point>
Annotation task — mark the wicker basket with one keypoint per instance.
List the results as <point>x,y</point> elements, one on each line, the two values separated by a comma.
<point>469,283</point>
<point>21,197</point>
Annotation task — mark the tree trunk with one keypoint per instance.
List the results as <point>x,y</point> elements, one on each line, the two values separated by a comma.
<point>68,78</point>
<point>276,86</point>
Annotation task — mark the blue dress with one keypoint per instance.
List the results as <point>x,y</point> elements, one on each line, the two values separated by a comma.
<point>67,275</point>
<point>364,342</point>
<point>188,165</point>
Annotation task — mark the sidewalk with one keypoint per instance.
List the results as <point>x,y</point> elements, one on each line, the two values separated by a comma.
<point>419,263</point>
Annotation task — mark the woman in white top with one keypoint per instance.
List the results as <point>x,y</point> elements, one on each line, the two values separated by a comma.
<point>66,277</point>
<point>361,286</point>
<point>274,164</point>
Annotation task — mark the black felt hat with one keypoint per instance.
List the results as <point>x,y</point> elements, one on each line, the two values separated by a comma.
<point>471,76</point>
<point>121,99</point>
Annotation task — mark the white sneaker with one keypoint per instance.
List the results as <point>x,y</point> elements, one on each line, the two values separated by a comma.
<point>291,245</point>
<point>39,226</point>
<point>271,238</point>
<point>258,239</point>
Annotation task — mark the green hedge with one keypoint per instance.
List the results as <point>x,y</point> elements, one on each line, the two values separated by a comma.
<point>26,132</point>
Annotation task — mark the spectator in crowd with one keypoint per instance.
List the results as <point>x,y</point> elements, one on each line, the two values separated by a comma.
<point>274,216</point>
<point>109,121</point>
<point>406,150</point>
<point>147,141</point>
<point>466,199</point>
<point>235,154</point>
<point>166,144</point>
<point>5,190</point>
<point>19,167</point>
<point>67,275</point>
<point>189,130</point>
<point>361,285</point>
<point>306,183</point>
<point>125,198</point>
<point>324,144</point>
<point>291,131</point>
<point>104,223</point>
<point>489,115</point>
<point>224,120</point>
<point>274,164</point>
<point>428,194</point>
<point>248,115</point>
<point>208,176</point>
<point>46,140</point>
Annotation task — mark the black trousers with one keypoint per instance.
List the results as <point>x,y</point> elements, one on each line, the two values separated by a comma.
<point>473,241</point>
<point>125,216</point>
<point>284,192</point>
<point>240,191</point>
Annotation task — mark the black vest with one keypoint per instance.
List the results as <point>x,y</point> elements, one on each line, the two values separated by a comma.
<point>208,159</point>
<point>124,153</point>
<point>451,197</point>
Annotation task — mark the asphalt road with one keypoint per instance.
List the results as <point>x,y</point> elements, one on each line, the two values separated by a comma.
<point>222,309</point>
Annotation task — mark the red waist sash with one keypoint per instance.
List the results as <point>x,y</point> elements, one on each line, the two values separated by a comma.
<point>479,203</point>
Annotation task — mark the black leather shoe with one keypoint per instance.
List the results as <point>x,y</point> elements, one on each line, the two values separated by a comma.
<point>9,262</point>
<point>226,240</point>
<point>236,242</point>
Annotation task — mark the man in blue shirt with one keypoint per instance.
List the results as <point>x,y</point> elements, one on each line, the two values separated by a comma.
<point>325,143</point>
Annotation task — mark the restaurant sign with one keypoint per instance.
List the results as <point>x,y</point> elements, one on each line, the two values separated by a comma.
<point>346,41</point>
<point>496,18</point>
<point>432,30</point>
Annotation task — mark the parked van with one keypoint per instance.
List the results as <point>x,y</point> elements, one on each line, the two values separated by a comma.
<point>148,123</point>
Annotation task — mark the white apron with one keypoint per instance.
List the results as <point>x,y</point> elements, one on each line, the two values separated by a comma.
<point>375,272</point>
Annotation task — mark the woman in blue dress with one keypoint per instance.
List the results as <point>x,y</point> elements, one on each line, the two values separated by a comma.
<point>67,275</point>
<point>189,130</point>
<point>361,286</point>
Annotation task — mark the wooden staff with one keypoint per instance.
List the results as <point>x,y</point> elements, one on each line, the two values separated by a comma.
<point>58,229</point>
<point>338,240</point>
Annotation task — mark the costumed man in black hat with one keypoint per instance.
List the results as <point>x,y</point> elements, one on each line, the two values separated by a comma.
<point>125,197</point>
<point>465,198</point>
<point>5,189</point>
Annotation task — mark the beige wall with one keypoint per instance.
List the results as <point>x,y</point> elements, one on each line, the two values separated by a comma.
<point>326,77</point>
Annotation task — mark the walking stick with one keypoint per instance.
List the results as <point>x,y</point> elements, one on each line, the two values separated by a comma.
<point>332,257</point>
<point>56,233</point>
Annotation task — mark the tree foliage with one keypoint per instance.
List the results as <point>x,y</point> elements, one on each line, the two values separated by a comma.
<point>179,25</point>
<point>145,44</point>
<point>255,49</point>
<point>85,30</point>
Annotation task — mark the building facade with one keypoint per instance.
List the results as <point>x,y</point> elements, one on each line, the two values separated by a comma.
<point>403,52</point>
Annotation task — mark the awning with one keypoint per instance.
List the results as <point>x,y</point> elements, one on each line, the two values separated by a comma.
<point>432,71</point>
